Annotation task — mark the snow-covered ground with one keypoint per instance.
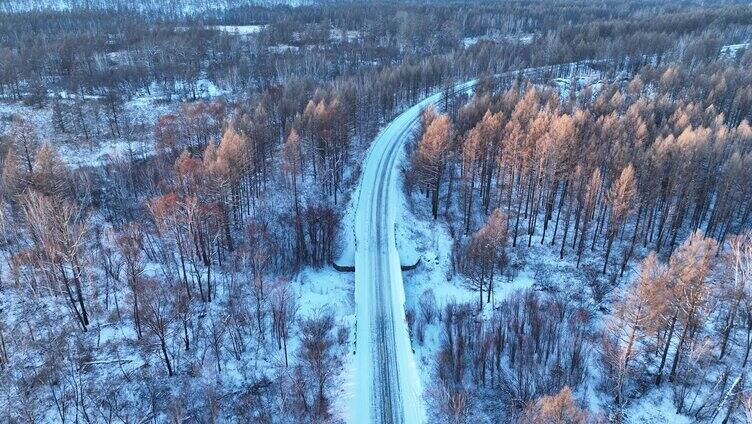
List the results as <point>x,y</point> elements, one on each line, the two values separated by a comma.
<point>655,408</point>
<point>468,42</point>
<point>238,29</point>
<point>566,86</point>
<point>140,113</point>
<point>283,48</point>
<point>342,35</point>
<point>732,50</point>
<point>326,288</point>
<point>100,149</point>
<point>434,279</point>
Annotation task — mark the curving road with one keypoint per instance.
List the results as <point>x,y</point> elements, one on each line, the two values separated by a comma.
<point>388,388</point>
<point>387,383</point>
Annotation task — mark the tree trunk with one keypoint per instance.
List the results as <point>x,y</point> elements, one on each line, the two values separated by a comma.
<point>163,345</point>
<point>659,376</point>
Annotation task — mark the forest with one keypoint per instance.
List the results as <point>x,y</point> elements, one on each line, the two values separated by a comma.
<point>179,183</point>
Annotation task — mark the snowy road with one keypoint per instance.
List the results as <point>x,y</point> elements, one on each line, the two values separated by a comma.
<point>387,382</point>
<point>388,388</point>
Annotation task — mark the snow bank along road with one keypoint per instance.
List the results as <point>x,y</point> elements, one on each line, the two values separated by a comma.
<point>387,384</point>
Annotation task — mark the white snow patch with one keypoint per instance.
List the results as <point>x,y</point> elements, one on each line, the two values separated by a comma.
<point>342,35</point>
<point>237,29</point>
<point>732,50</point>
<point>283,48</point>
<point>567,85</point>
<point>324,288</point>
<point>655,408</point>
<point>468,42</point>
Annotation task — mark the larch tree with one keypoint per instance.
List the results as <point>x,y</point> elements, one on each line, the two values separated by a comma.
<point>12,175</point>
<point>690,269</point>
<point>736,299</point>
<point>430,157</point>
<point>257,256</point>
<point>633,317</point>
<point>292,162</point>
<point>620,198</point>
<point>233,163</point>
<point>171,227</point>
<point>589,203</point>
<point>560,408</point>
<point>58,230</point>
<point>130,246</point>
<point>486,253</point>
<point>478,155</point>
<point>159,316</point>
<point>24,137</point>
<point>50,173</point>
<point>284,313</point>
<point>738,285</point>
<point>316,351</point>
